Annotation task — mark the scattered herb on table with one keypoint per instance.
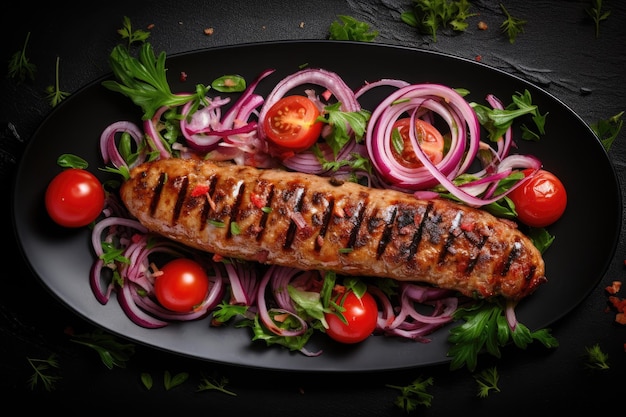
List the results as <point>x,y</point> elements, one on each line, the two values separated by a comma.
<point>170,381</point>
<point>127,32</point>
<point>596,358</point>
<point>414,394</point>
<point>607,130</point>
<point>146,380</point>
<point>428,16</point>
<point>213,383</point>
<point>55,95</point>
<point>511,26</point>
<point>597,14</point>
<point>347,28</point>
<point>111,351</point>
<point>487,381</point>
<point>20,67</point>
<point>43,368</point>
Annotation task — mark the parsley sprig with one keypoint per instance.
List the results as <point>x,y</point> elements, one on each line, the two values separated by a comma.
<point>486,329</point>
<point>132,35</point>
<point>413,395</point>
<point>111,351</point>
<point>607,130</point>
<point>487,381</point>
<point>428,16</point>
<point>348,28</point>
<point>144,80</point>
<point>597,14</point>
<point>512,26</point>
<point>55,94</point>
<point>20,67</point>
<point>596,358</point>
<point>43,372</point>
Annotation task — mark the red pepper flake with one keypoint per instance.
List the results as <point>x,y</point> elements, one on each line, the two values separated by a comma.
<point>217,257</point>
<point>183,76</point>
<point>257,200</point>
<point>467,227</point>
<point>482,25</point>
<point>209,31</point>
<point>151,26</point>
<point>478,58</point>
<point>200,189</point>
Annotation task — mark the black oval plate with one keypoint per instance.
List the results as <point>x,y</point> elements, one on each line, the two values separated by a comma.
<point>586,236</point>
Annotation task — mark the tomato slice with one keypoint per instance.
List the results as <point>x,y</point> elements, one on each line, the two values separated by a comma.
<point>429,138</point>
<point>540,200</point>
<point>181,285</point>
<point>361,315</point>
<point>291,124</point>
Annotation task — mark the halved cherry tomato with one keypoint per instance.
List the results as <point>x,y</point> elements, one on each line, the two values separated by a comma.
<point>182,285</point>
<point>291,124</point>
<point>429,138</point>
<point>361,315</point>
<point>74,198</point>
<point>540,200</point>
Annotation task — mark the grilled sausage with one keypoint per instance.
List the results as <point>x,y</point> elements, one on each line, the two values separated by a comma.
<point>309,222</point>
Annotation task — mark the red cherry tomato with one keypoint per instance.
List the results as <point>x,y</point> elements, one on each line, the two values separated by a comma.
<point>74,198</point>
<point>361,315</point>
<point>540,200</point>
<point>429,138</point>
<point>182,285</point>
<point>291,124</point>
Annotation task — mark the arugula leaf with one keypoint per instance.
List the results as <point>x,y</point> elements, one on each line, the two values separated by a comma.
<point>430,15</point>
<point>486,329</point>
<point>144,80</point>
<point>413,394</point>
<point>511,26</point>
<point>607,130</point>
<point>350,29</point>
<point>19,65</point>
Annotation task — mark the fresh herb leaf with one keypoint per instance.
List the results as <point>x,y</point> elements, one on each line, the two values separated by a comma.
<point>497,121</point>
<point>597,14</point>
<point>146,380</point>
<point>486,329</point>
<point>170,382</point>
<point>55,95</point>
<point>428,16</point>
<point>487,381</point>
<point>596,358</point>
<point>343,123</point>
<point>144,80</point>
<point>511,26</point>
<point>111,352</point>
<point>71,161</point>
<point>20,67</point>
<point>414,394</point>
<point>607,130</point>
<point>350,29</point>
<point>42,368</point>
<point>213,383</point>
<point>133,36</point>
<point>229,84</point>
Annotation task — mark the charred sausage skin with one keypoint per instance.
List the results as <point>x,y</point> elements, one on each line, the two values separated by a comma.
<point>309,222</point>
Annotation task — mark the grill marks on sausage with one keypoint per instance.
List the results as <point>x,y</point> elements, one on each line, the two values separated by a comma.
<point>397,221</point>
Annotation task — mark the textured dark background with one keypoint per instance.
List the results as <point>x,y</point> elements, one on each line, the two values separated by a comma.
<point>557,51</point>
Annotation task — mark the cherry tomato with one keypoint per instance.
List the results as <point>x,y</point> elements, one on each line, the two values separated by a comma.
<point>290,124</point>
<point>540,200</point>
<point>429,139</point>
<point>361,315</point>
<point>182,285</point>
<point>74,198</point>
